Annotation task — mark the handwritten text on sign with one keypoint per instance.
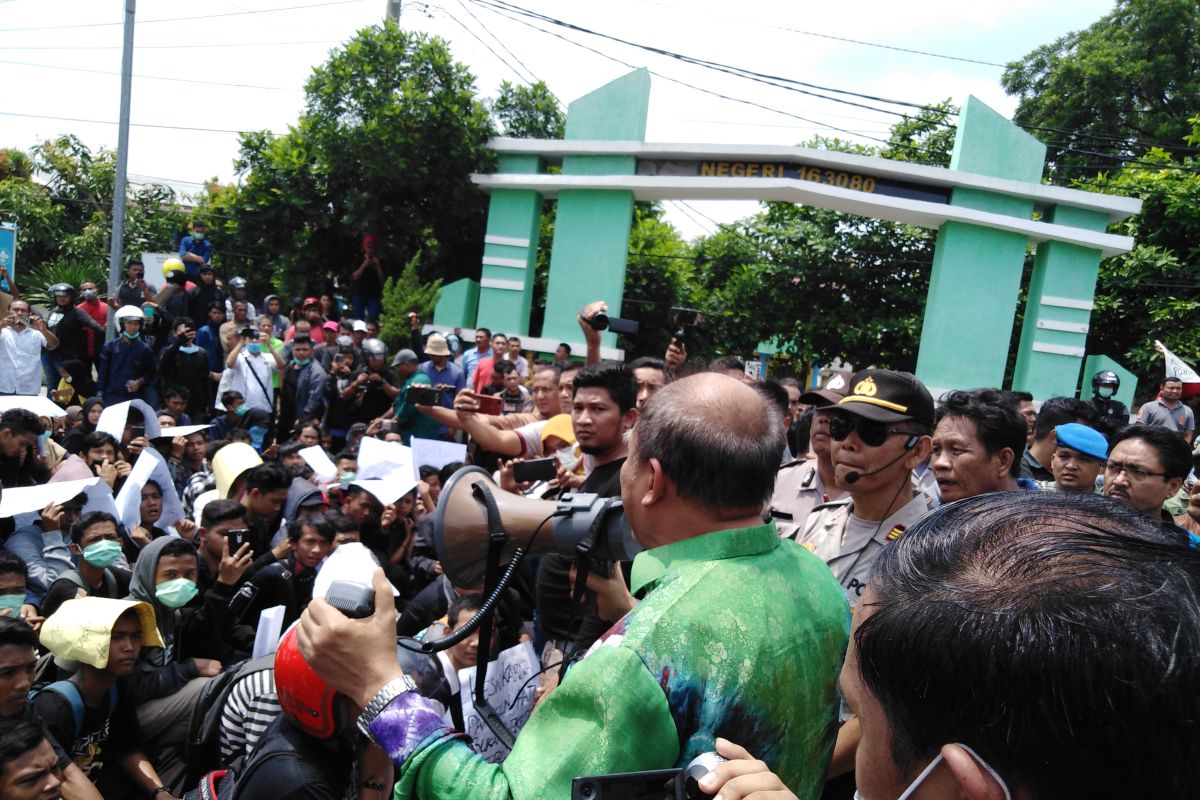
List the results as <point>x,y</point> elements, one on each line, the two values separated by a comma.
<point>509,690</point>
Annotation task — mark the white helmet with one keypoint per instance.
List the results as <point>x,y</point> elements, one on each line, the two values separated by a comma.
<point>129,312</point>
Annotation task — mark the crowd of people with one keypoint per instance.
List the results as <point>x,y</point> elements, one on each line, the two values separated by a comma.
<point>872,592</point>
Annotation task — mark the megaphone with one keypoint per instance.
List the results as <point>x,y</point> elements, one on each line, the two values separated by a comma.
<point>462,531</point>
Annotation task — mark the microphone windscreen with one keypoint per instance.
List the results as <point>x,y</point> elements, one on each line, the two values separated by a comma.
<point>852,477</point>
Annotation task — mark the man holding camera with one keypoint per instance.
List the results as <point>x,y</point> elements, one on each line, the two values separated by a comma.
<point>409,420</point>
<point>254,371</point>
<point>683,665</point>
<point>22,339</point>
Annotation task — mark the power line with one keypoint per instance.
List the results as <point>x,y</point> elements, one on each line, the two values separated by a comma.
<point>487,46</point>
<point>180,19</point>
<point>168,46</point>
<point>150,77</point>
<point>134,124</point>
<point>505,47</point>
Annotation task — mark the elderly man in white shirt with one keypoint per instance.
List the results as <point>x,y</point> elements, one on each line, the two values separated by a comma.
<point>22,338</point>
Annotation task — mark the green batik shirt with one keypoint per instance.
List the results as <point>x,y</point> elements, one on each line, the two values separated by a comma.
<point>740,634</point>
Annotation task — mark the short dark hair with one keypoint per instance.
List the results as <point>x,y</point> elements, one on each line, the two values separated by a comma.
<point>773,392</point>
<point>447,472</point>
<point>191,323</point>
<point>1173,451</point>
<point>1022,397</point>
<point>1061,411</point>
<point>181,392</point>
<point>289,448</point>
<point>564,346</point>
<point>268,477</point>
<point>341,523</point>
<point>646,362</point>
<point>467,602</point>
<point>97,439</point>
<point>218,305</point>
<point>302,340</point>
<point>699,449</point>
<point>484,330</point>
<point>17,737</point>
<point>177,547</point>
<point>1172,379</point>
<point>229,396</point>
<point>88,520</point>
<point>426,471</point>
<point>17,632</point>
<point>503,367</point>
<point>1016,621</point>
<point>12,564</point>
<point>221,511</point>
<point>998,423</point>
<point>727,364</point>
<point>20,421</point>
<point>616,378</point>
<point>318,522</point>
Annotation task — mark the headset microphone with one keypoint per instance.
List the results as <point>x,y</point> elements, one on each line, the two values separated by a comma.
<point>853,477</point>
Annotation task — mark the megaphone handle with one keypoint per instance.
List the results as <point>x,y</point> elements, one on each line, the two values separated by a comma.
<point>496,542</point>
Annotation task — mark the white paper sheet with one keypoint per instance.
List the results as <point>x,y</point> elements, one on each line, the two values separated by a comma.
<point>149,466</point>
<point>182,430</point>
<point>112,419</point>
<point>436,453</point>
<point>270,630</point>
<point>352,562</point>
<point>380,459</point>
<point>509,690</point>
<point>321,464</point>
<point>35,498</point>
<point>388,490</point>
<point>42,406</point>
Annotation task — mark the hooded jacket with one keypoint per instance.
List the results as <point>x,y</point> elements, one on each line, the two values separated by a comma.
<point>202,629</point>
<point>298,492</point>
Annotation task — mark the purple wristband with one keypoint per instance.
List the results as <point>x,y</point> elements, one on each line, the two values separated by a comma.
<point>404,724</point>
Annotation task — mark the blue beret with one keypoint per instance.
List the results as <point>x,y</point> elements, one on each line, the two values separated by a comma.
<point>1088,441</point>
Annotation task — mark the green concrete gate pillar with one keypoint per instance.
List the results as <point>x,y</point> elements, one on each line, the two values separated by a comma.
<point>591,226</point>
<point>977,271</point>
<point>1059,310</point>
<point>510,252</point>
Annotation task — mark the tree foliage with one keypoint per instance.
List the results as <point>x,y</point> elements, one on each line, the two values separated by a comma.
<point>528,112</point>
<point>402,294</point>
<point>390,132</point>
<point>1133,77</point>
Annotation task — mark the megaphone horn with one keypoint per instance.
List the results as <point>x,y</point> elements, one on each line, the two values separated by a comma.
<point>461,530</point>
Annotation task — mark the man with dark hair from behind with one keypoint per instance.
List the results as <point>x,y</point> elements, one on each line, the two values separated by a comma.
<point>774,393</point>
<point>1035,462</point>
<point>978,439</point>
<point>18,661</point>
<point>1023,645</point>
<point>1146,466</point>
<point>266,491</point>
<point>1024,404</point>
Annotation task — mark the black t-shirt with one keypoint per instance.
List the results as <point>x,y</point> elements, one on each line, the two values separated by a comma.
<point>29,714</point>
<point>64,589</point>
<point>102,738</point>
<point>289,765</point>
<point>554,596</point>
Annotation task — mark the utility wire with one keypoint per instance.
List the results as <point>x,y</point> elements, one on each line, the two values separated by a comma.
<point>134,124</point>
<point>505,47</point>
<point>180,19</point>
<point>150,77</point>
<point>167,46</point>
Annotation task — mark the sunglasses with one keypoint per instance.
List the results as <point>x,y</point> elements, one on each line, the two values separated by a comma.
<point>872,433</point>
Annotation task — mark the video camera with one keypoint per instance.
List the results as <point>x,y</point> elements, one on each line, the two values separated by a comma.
<point>657,784</point>
<point>603,322</point>
<point>684,321</point>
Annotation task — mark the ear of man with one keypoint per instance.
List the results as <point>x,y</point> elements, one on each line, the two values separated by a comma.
<point>975,782</point>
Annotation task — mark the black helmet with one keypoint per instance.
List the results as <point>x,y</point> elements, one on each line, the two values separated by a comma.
<point>1104,377</point>
<point>62,288</point>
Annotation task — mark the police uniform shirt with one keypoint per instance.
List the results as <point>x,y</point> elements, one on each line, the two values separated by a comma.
<point>798,490</point>
<point>849,545</point>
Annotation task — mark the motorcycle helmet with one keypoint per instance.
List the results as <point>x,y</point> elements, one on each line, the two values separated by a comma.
<point>304,697</point>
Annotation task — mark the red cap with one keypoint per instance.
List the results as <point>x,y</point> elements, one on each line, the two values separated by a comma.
<point>310,301</point>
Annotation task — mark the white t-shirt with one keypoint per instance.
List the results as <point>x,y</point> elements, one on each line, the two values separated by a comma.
<point>20,361</point>
<point>246,367</point>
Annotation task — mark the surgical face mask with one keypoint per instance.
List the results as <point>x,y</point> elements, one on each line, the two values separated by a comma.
<point>198,236</point>
<point>189,348</point>
<point>131,336</point>
<point>345,477</point>
<point>176,593</point>
<point>241,410</point>
<point>912,787</point>
<point>568,459</point>
<point>89,295</point>
<point>254,347</point>
<point>102,553</point>
<point>302,362</point>
<point>1104,392</point>
<point>12,604</point>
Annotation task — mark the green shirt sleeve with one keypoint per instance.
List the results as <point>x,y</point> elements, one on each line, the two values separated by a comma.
<point>583,728</point>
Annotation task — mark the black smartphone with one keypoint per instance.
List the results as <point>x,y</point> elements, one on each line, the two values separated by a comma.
<point>137,431</point>
<point>237,537</point>
<point>662,784</point>
<point>422,396</point>
<point>539,469</point>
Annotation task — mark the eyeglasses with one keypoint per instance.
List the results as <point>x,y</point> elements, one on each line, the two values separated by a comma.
<point>1136,474</point>
<point>872,433</point>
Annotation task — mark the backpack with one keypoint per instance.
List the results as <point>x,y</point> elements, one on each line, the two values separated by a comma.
<point>110,582</point>
<point>202,752</point>
<point>69,691</point>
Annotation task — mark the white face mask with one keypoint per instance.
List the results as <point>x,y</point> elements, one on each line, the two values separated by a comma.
<point>568,459</point>
<point>912,787</point>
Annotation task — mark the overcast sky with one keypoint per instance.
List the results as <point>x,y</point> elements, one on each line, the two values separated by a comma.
<point>241,65</point>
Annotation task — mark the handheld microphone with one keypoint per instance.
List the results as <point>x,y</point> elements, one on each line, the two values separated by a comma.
<point>853,477</point>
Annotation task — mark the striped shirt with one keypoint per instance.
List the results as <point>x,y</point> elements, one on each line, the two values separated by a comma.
<point>251,707</point>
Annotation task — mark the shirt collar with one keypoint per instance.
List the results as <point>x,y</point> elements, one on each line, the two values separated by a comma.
<point>651,565</point>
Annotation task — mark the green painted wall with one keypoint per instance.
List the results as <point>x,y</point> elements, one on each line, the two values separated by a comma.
<point>457,304</point>
<point>1095,364</point>
<point>591,227</point>
<point>976,275</point>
